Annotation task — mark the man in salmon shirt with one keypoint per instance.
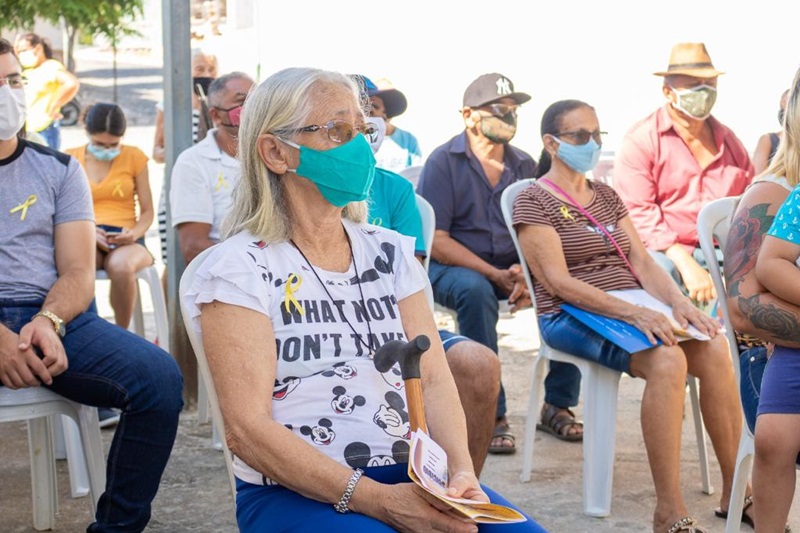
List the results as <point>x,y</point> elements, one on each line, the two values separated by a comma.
<point>675,161</point>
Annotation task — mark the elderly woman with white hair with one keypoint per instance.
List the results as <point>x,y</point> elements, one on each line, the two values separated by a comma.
<point>293,304</point>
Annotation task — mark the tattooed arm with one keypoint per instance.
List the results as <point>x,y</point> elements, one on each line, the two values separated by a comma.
<point>753,309</point>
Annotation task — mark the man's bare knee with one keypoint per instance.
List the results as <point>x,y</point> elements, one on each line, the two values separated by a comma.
<point>475,368</point>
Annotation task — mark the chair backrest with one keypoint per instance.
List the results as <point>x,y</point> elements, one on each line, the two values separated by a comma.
<point>412,174</point>
<point>507,205</point>
<point>196,339</point>
<point>604,170</point>
<point>713,223</point>
<point>428,216</point>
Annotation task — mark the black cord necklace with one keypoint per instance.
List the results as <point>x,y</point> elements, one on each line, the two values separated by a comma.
<point>370,351</point>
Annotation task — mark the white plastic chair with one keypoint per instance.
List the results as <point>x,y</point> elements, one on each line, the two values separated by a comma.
<point>86,460</point>
<point>150,276</point>
<point>713,223</point>
<point>412,174</point>
<point>428,216</point>
<point>600,388</point>
<point>196,339</point>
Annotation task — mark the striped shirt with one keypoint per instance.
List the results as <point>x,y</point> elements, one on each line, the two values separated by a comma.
<point>590,255</point>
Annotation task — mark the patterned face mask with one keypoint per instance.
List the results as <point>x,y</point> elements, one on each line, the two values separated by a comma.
<point>695,102</point>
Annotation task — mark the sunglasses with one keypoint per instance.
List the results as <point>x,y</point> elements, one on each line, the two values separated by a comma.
<point>583,136</point>
<point>500,110</point>
<point>341,131</point>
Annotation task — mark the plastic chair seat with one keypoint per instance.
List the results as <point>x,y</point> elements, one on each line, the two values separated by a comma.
<point>39,406</point>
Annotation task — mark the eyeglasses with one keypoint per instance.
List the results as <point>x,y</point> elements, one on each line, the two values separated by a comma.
<point>14,81</point>
<point>341,131</point>
<point>500,110</point>
<point>583,136</point>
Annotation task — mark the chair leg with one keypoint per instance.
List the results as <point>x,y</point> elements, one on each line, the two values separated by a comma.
<point>44,485</point>
<point>76,462</point>
<point>150,275</point>
<point>138,314</point>
<point>700,431</point>
<point>744,464</point>
<point>600,386</point>
<point>216,440</point>
<point>537,376</point>
<point>93,451</point>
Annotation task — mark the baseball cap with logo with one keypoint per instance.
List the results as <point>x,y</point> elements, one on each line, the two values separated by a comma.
<point>490,88</point>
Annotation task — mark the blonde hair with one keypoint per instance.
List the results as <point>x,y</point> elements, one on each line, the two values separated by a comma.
<point>786,161</point>
<point>280,104</point>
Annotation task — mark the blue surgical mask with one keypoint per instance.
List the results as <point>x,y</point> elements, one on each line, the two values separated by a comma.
<point>103,154</point>
<point>579,157</point>
<point>342,174</point>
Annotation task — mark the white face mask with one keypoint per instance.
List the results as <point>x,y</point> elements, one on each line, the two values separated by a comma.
<point>379,136</point>
<point>12,112</point>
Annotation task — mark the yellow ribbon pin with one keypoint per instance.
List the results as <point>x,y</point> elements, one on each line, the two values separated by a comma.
<point>566,214</point>
<point>118,189</point>
<point>221,182</point>
<point>24,206</point>
<point>292,285</point>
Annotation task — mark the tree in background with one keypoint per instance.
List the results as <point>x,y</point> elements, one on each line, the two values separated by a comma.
<point>110,19</point>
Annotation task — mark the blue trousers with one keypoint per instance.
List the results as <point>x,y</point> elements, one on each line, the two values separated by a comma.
<point>474,299</point>
<point>52,135</point>
<point>278,509</point>
<point>111,367</point>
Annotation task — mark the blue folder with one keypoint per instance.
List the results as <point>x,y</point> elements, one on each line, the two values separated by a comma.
<point>624,335</point>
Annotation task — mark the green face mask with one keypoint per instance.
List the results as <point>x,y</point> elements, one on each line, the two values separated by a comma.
<point>343,174</point>
<point>697,101</point>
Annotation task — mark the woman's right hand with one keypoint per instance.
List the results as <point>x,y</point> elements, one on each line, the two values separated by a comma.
<point>102,239</point>
<point>653,324</point>
<point>407,507</point>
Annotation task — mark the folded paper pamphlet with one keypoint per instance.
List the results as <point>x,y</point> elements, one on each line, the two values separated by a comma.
<point>427,467</point>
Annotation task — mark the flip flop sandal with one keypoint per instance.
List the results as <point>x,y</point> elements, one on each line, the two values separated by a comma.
<point>558,421</point>
<point>687,524</point>
<point>501,430</point>
<point>746,519</point>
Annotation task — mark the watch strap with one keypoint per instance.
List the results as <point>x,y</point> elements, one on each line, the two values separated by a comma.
<point>58,324</point>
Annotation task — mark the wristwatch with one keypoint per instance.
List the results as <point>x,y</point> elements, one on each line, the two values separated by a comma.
<point>58,324</point>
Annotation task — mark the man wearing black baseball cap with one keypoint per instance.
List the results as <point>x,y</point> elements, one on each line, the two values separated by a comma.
<point>474,262</point>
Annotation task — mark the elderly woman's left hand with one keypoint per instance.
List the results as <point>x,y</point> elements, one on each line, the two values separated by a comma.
<point>686,313</point>
<point>466,485</point>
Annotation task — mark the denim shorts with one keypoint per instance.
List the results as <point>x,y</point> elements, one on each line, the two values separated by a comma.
<point>752,362</point>
<point>567,334</point>
<point>450,339</point>
<point>106,227</point>
<point>780,388</point>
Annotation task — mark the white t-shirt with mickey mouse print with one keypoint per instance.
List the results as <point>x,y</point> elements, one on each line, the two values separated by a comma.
<point>327,389</point>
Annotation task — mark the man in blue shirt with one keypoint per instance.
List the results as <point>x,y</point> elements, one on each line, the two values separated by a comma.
<point>474,262</point>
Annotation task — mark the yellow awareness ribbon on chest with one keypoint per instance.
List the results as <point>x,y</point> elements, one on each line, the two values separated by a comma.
<point>24,206</point>
<point>566,214</point>
<point>292,285</point>
<point>221,182</point>
<point>118,189</point>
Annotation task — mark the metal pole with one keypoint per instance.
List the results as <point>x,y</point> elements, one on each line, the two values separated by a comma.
<point>178,137</point>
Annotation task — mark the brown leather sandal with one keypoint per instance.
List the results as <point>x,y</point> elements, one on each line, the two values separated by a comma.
<point>557,421</point>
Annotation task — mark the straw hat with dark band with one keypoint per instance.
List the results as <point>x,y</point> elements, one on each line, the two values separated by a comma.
<point>690,59</point>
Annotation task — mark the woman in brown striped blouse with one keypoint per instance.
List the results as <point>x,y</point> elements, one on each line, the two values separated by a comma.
<point>580,243</point>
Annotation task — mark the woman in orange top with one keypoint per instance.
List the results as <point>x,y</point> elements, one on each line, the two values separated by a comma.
<point>118,180</point>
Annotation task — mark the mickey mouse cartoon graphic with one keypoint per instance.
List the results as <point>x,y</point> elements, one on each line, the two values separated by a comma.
<point>393,377</point>
<point>392,418</point>
<point>343,404</point>
<point>322,434</point>
<point>359,455</point>
<point>343,370</point>
<point>281,389</point>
